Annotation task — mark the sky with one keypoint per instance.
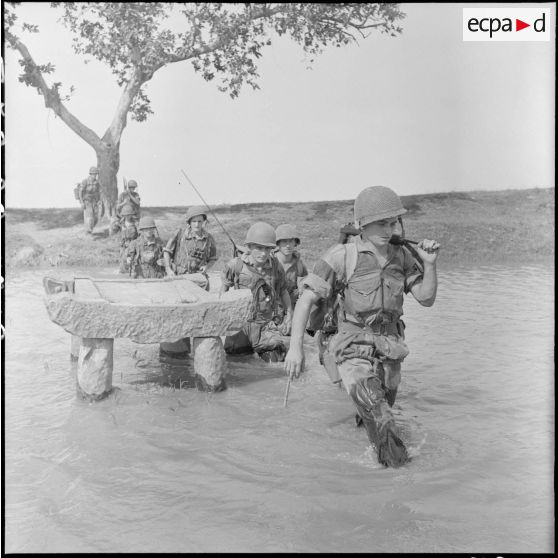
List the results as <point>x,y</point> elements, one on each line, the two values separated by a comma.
<point>423,112</point>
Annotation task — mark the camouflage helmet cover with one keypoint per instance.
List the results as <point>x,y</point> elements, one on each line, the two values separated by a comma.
<point>194,211</point>
<point>376,203</point>
<point>286,231</point>
<point>147,222</point>
<point>262,234</point>
<point>132,184</point>
<point>93,170</point>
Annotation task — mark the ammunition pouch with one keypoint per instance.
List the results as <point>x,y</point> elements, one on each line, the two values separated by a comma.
<point>360,342</point>
<point>330,366</point>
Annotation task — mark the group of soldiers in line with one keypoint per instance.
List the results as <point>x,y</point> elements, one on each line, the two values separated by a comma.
<point>269,263</point>
<point>352,301</point>
<point>88,193</point>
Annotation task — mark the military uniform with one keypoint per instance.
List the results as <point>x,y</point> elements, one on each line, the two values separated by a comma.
<point>369,345</point>
<point>128,234</point>
<point>90,196</point>
<point>126,200</point>
<point>144,256</point>
<point>189,252</point>
<point>260,333</point>
<point>294,271</point>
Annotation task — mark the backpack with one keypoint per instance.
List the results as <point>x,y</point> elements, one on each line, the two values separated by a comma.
<point>323,314</point>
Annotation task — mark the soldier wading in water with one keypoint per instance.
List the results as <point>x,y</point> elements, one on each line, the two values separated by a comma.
<point>193,249</point>
<point>266,331</point>
<point>369,278</point>
<point>287,240</point>
<point>145,253</point>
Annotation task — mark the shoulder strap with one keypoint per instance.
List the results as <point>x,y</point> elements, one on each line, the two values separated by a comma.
<point>299,267</point>
<point>351,256</point>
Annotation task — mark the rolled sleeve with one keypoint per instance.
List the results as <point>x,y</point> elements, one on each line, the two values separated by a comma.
<point>327,269</point>
<point>316,284</point>
<point>413,274</point>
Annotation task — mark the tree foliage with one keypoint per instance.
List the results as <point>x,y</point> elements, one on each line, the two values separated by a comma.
<point>223,43</point>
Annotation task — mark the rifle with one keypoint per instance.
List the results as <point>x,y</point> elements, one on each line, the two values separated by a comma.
<point>235,247</point>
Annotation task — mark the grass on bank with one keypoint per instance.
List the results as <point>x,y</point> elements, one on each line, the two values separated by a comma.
<point>505,227</point>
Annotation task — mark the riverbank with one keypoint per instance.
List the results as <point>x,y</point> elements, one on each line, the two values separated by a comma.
<point>502,227</point>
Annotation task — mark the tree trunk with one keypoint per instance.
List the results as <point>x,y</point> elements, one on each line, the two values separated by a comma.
<point>108,162</point>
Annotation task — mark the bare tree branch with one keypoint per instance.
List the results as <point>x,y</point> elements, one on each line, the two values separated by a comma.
<point>52,98</point>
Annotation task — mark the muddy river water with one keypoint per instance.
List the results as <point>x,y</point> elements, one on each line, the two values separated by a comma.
<point>162,467</point>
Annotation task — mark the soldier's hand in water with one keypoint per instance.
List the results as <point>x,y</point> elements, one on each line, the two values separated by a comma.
<point>294,362</point>
<point>428,250</point>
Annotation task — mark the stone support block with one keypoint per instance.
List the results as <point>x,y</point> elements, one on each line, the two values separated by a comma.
<point>210,363</point>
<point>94,371</point>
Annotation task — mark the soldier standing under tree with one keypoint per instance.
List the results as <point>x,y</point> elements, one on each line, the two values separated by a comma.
<point>89,195</point>
<point>129,198</point>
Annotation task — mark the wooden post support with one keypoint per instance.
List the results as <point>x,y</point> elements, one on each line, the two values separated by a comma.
<point>94,371</point>
<point>210,364</point>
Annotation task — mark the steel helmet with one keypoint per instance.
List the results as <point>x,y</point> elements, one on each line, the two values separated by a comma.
<point>132,184</point>
<point>93,170</point>
<point>147,222</point>
<point>194,211</point>
<point>127,210</point>
<point>284,232</point>
<point>261,233</point>
<point>376,203</point>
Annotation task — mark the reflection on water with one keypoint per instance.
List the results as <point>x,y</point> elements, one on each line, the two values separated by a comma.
<point>161,467</point>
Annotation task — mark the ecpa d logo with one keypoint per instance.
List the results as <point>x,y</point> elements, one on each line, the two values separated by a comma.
<point>506,24</point>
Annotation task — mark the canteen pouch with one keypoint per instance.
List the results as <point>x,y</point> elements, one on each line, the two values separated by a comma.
<point>327,360</point>
<point>330,366</point>
<point>392,373</point>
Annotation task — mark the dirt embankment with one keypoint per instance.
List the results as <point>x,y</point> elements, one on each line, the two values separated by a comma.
<point>474,228</point>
